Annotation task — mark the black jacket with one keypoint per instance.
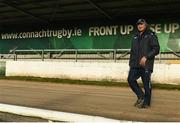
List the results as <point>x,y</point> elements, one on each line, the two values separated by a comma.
<point>146,45</point>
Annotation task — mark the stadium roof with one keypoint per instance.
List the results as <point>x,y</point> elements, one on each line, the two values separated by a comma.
<point>56,11</point>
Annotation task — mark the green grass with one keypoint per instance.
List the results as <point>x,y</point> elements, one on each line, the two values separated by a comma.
<point>84,82</point>
<point>67,81</point>
<point>2,120</point>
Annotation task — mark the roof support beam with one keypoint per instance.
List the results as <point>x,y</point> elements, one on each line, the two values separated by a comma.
<point>99,9</point>
<point>55,10</point>
<point>24,12</point>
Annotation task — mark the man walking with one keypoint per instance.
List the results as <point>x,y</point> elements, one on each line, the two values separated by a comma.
<point>144,47</point>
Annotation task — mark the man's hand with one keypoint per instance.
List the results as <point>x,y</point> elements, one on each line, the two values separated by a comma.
<point>143,61</point>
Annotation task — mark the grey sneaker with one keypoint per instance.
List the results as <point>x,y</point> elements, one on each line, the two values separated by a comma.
<point>139,102</point>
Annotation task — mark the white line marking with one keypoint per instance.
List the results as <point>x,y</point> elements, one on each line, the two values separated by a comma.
<point>54,115</point>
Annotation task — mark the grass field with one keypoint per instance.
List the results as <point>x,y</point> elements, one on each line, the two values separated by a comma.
<point>108,99</point>
<point>8,117</point>
<point>84,82</point>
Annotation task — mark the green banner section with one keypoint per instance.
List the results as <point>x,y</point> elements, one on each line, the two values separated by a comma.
<point>89,36</point>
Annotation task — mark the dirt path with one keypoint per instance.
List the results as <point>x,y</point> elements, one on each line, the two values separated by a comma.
<point>110,102</point>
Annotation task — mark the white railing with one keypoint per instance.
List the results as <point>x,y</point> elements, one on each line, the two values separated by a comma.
<point>76,52</point>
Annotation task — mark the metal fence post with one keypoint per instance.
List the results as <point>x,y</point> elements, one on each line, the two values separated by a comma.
<point>42,57</point>
<point>114,55</point>
<point>76,52</point>
<point>15,55</point>
<point>159,57</point>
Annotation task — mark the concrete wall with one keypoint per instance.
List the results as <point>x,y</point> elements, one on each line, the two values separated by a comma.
<point>163,73</point>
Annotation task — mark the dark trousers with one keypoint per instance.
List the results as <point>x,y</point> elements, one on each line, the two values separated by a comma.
<point>145,75</point>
